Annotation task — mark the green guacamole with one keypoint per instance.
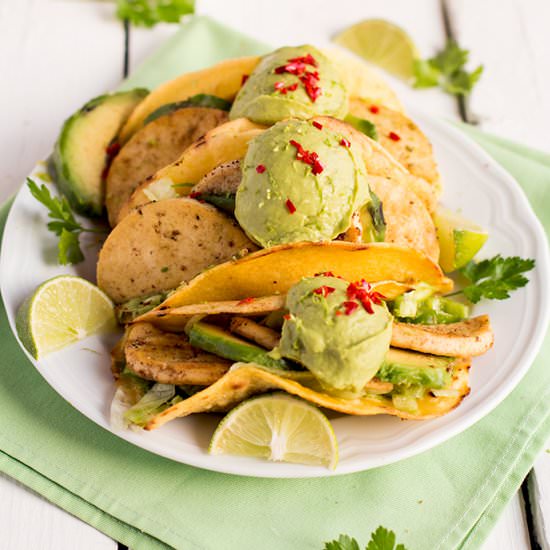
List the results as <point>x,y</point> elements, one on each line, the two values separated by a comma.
<point>260,101</point>
<point>281,199</point>
<point>343,351</point>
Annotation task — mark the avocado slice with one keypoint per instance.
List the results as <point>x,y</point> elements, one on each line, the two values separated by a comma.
<point>223,344</point>
<point>199,100</point>
<point>78,161</point>
<point>406,369</point>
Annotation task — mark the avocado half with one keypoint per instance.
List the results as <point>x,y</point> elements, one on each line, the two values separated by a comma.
<point>79,158</point>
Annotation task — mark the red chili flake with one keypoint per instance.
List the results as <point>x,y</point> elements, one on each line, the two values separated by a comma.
<point>393,136</point>
<point>374,109</point>
<point>308,59</point>
<point>113,148</point>
<point>363,292</point>
<point>338,312</point>
<point>324,274</point>
<point>310,80</point>
<point>345,143</point>
<point>245,301</point>
<point>317,125</point>
<point>324,290</point>
<point>260,168</point>
<point>281,88</point>
<point>286,317</point>
<point>309,157</point>
<point>244,78</point>
<point>290,206</point>
<point>349,307</point>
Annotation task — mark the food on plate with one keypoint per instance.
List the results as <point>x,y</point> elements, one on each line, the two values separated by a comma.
<point>280,428</point>
<point>299,183</point>
<point>460,239</point>
<point>401,137</point>
<point>327,331</point>
<point>61,311</point>
<point>291,82</point>
<point>297,247</point>
<point>81,152</point>
<point>155,145</point>
<point>161,244</point>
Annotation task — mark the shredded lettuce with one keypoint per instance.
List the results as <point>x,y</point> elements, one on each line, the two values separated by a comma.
<point>157,399</point>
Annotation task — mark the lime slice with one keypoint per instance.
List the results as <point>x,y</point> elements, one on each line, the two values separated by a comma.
<point>382,43</point>
<point>61,311</point>
<point>280,428</point>
<point>459,239</point>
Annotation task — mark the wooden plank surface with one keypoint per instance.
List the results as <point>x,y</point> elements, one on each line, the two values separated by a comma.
<point>59,53</point>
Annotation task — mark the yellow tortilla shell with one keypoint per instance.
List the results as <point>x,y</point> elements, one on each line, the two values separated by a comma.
<point>244,380</point>
<point>274,270</point>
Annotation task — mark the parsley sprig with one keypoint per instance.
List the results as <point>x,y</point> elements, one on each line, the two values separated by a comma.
<point>495,278</point>
<point>447,69</point>
<point>381,539</point>
<point>64,224</point>
<point>147,13</point>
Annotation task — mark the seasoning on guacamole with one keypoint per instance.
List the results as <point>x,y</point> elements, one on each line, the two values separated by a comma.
<point>291,82</point>
<point>340,331</point>
<point>301,182</point>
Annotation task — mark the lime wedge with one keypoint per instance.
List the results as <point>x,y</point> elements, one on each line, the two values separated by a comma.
<point>459,239</point>
<point>61,311</point>
<point>382,43</point>
<point>280,428</point>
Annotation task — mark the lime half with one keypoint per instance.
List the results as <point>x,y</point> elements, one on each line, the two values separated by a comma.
<point>280,428</point>
<point>382,43</point>
<point>459,239</point>
<point>61,311</point>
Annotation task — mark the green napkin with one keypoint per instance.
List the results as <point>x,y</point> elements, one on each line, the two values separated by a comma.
<point>449,497</point>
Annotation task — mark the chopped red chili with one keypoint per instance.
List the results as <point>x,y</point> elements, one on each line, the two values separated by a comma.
<point>244,301</point>
<point>298,67</point>
<point>281,88</point>
<point>393,136</point>
<point>308,157</point>
<point>112,149</point>
<point>345,143</point>
<point>324,274</point>
<point>286,317</point>
<point>374,109</point>
<point>244,78</point>
<point>260,168</point>
<point>324,290</point>
<point>350,307</point>
<point>317,125</point>
<point>363,292</point>
<point>290,206</point>
<point>310,80</point>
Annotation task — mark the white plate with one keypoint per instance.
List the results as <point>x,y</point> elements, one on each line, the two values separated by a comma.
<point>474,184</point>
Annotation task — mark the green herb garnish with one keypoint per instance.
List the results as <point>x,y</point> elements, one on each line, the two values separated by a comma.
<point>495,278</point>
<point>381,539</point>
<point>147,13</point>
<point>447,69</point>
<point>363,125</point>
<point>64,225</point>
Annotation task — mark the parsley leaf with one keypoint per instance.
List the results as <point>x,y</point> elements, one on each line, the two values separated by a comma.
<point>147,13</point>
<point>381,539</point>
<point>64,224</point>
<point>343,543</point>
<point>447,69</point>
<point>495,278</point>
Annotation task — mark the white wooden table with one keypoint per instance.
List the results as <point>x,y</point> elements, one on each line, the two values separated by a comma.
<point>56,54</point>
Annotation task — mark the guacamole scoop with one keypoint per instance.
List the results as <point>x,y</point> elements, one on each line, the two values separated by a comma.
<point>291,82</point>
<point>300,183</point>
<point>344,349</point>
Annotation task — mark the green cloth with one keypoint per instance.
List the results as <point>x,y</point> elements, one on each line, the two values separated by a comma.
<point>449,497</point>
